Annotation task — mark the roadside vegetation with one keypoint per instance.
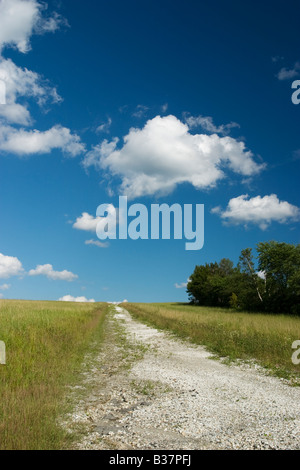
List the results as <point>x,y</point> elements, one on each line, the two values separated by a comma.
<point>46,343</point>
<point>265,338</point>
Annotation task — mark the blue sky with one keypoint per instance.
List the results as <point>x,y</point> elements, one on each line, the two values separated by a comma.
<point>162,101</point>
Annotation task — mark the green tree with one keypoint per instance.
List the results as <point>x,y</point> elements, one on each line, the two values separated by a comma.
<point>210,283</point>
<point>281,265</point>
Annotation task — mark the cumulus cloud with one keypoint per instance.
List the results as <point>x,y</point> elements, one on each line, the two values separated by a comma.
<point>155,159</point>
<point>70,298</point>
<point>19,19</point>
<point>258,210</point>
<point>10,266</point>
<point>22,142</point>
<point>48,271</point>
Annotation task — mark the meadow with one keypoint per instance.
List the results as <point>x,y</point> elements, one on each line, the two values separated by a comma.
<point>264,338</point>
<point>46,343</point>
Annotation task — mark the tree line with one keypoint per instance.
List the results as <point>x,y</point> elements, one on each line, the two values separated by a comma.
<point>274,286</point>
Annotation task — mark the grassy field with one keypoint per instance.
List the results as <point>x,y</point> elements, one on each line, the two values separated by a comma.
<point>45,346</point>
<point>265,338</point>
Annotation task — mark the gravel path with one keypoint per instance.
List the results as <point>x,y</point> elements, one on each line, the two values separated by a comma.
<point>174,396</point>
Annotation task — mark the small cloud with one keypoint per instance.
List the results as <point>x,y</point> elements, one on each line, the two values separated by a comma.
<point>182,285</point>
<point>86,222</point>
<point>123,109</point>
<point>96,243</point>
<point>287,74</point>
<point>140,111</point>
<point>277,58</point>
<point>89,223</point>
<point>258,210</point>
<point>47,270</point>
<point>70,298</point>
<point>5,287</point>
<point>22,142</point>
<point>105,126</point>
<point>10,266</point>
<point>207,124</point>
<point>164,107</point>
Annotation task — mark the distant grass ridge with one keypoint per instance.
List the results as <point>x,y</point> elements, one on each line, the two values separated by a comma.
<point>265,338</point>
<point>45,345</point>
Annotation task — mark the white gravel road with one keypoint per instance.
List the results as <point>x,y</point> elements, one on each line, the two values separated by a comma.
<point>197,403</point>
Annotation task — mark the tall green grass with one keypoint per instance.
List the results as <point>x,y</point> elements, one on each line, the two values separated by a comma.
<point>265,338</point>
<point>45,346</point>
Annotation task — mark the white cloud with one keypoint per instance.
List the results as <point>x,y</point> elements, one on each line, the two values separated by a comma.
<point>70,298</point>
<point>86,222</point>
<point>105,126</point>
<point>47,270</point>
<point>26,84</point>
<point>50,24</point>
<point>96,243</point>
<point>155,159</point>
<point>207,124</point>
<point>10,266</point>
<point>287,74</point>
<point>19,19</point>
<point>182,285</point>
<point>22,142</point>
<point>89,223</point>
<point>140,111</point>
<point>5,287</point>
<point>258,210</point>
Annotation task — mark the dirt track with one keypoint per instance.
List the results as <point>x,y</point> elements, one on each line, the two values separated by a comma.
<point>163,393</point>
